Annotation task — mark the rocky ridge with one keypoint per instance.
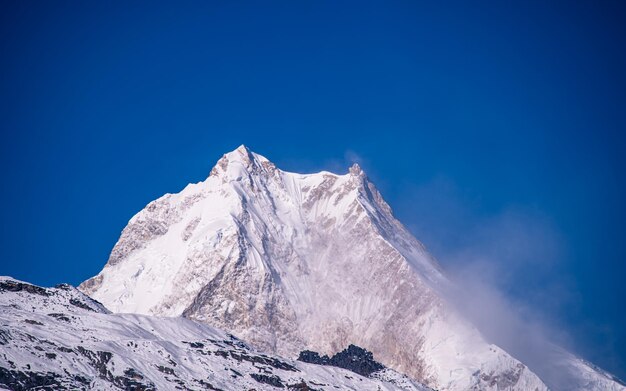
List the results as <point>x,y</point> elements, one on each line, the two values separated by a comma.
<point>60,339</point>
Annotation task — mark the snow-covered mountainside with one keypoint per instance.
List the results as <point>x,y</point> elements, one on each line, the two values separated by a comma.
<point>289,261</point>
<point>60,339</point>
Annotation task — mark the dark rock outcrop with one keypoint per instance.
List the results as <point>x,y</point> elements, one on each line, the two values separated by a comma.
<point>354,358</point>
<point>15,286</point>
<point>272,380</point>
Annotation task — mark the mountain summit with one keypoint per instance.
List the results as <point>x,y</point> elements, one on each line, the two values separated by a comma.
<point>291,261</point>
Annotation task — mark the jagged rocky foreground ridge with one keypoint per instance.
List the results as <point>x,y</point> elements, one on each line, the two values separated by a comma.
<point>289,261</point>
<point>60,339</point>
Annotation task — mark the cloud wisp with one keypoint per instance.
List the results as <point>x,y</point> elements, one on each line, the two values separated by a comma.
<point>508,267</point>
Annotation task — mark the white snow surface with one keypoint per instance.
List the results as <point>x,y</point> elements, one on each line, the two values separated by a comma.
<point>64,335</point>
<point>290,261</point>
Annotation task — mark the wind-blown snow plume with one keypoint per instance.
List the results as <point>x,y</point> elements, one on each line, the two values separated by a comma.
<point>490,257</point>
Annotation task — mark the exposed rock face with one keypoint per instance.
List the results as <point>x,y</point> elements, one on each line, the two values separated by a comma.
<point>287,261</point>
<point>354,358</point>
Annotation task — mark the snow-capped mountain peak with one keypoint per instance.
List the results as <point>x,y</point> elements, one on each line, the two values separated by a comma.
<point>289,261</point>
<point>356,170</point>
<point>240,162</point>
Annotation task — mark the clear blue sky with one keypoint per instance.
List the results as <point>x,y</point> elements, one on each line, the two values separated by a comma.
<point>461,113</point>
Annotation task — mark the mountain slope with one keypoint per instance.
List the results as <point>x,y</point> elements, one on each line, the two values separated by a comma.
<point>286,261</point>
<point>58,338</point>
